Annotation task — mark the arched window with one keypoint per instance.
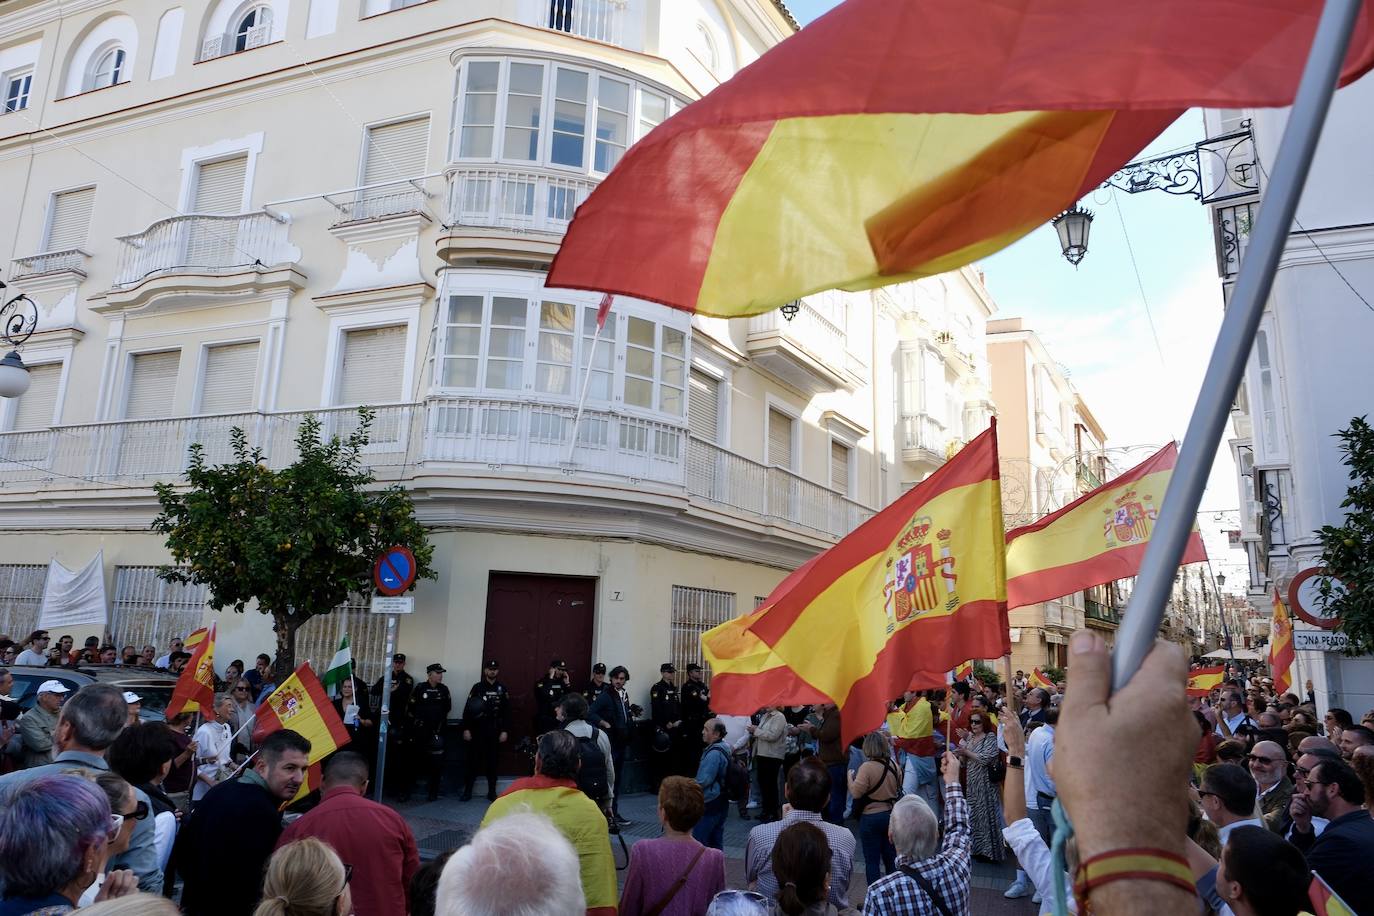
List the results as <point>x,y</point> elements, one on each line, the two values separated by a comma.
<point>705,49</point>
<point>254,28</point>
<point>108,68</point>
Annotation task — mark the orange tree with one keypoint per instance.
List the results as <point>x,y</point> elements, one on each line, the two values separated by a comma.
<point>297,541</point>
<point>1348,549</point>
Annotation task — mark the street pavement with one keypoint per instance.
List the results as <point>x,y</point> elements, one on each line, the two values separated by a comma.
<point>444,824</point>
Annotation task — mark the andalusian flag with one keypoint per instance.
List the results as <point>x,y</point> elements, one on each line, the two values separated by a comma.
<point>1202,681</point>
<point>340,668</point>
<point>1039,678</point>
<point>1324,899</point>
<point>1097,538</point>
<point>301,705</point>
<point>579,820</point>
<point>195,688</point>
<point>1281,648</point>
<point>919,587</point>
<point>894,139</point>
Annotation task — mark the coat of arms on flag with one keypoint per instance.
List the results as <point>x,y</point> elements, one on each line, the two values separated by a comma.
<point>1131,519</point>
<point>919,580</point>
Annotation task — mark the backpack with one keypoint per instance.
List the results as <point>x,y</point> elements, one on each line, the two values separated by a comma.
<point>735,780</point>
<point>591,775</point>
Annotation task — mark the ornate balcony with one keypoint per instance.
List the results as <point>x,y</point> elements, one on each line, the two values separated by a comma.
<point>507,211</point>
<point>924,441</point>
<point>599,20</point>
<point>72,260</point>
<point>807,352</point>
<point>202,242</point>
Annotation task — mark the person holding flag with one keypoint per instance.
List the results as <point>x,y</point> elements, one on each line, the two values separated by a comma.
<point>213,740</point>
<point>195,687</point>
<point>300,705</point>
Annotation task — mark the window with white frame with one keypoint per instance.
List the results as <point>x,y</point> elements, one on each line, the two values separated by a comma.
<point>228,378</point>
<point>107,68</point>
<point>703,406</point>
<point>780,431</point>
<point>17,86</point>
<point>501,343</point>
<point>694,611</point>
<point>253,29</point>
<point>550,114</point>
<point>372,366</point>
<point>21,595</point>
<point>841,458</point>
<point>152,385</point>
<point>36,408</point>
<point>69,218</point>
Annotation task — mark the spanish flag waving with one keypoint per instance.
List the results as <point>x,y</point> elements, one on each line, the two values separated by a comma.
<point>301,705</point>
<point>195,688</point>
<point>894,139</point>
<point>1202,681</point>
<point>1281,648</point>
<point>1039,678</point>
<point>920,586</point>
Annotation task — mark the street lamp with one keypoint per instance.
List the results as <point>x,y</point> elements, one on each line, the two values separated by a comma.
<point>18,319</point>
<point>789,310</point>
<point>1073,227</point>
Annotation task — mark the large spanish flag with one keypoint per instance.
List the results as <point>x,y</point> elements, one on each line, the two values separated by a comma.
<point>1202,681</point>
<point>1097,538</point>
<point>302,705</point>
<point>195,688</point>
<point>1281,648</point>
<point>1325,901</point>
<point>746,674</point>
<point>894,139</point>
<point>921,586</point>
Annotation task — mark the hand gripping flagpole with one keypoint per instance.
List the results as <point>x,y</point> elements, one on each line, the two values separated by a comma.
<point>1238,327</point>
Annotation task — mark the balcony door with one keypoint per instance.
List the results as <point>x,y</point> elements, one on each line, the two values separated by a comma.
<point>212,243</point>
<point>148,448</point>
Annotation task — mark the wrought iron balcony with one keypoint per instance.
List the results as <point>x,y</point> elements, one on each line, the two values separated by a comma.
<point>1231,228</point>
<point>73,259</point>
<point>1096,610</point>
<point>201,242</point>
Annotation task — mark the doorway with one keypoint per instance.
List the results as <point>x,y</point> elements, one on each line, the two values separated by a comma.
<point>530,620</point>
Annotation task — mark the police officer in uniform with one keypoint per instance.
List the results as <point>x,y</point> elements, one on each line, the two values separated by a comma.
<point>430,704</point>
<point>666,711</point>
<point>696,709</point>
<point>547,692</point>
<point>485,727</point>
<point>398,761</point>
<point>596,685</point>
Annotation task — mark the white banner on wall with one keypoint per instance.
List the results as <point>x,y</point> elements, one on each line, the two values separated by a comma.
<point>74,598</point>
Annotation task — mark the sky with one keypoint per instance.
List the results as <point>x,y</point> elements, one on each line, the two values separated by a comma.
<point>1138,360</point>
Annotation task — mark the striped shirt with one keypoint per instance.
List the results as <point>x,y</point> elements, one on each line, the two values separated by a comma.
<point>758,855</point>
<point>898,894</point>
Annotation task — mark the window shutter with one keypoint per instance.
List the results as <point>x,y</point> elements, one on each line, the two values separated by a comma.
<point>839,467</point>
<point>230,373</point>
<point>152,383</point>
<point>219,186</point>
<point>703,407</point>
<point>779,439</point>
<point>71,217</point>
<point>36,406</point>
<point>372,366</point>
<point>396,151</point>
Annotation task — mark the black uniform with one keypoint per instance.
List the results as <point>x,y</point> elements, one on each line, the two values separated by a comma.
<point>398,731</point>
<point>429,708</point>
<point>664,709</point>
<point>594,690</point>
<point>485,715</point>
<point>696,709</point>
<point>547,692</point>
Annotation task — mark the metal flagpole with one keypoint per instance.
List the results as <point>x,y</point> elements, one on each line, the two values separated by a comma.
<point>385,715</point>
<point>1237,334</point>
<point>586,384</point>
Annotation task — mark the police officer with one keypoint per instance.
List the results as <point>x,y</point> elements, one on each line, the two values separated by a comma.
<point>666,712</point>
<point>696,709</point>
<point>596,684</point>
<point>547,692</point>
<point>430,704</point>
<point>485,727</point>
<point>399,734</point>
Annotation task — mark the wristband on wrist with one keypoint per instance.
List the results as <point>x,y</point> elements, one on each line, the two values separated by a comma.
<point>1131,864</point>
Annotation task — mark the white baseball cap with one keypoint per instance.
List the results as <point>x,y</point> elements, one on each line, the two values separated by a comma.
<point>53,687</point>
<point>131,697</point>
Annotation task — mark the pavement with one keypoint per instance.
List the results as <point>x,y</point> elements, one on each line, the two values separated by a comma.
<point>447,823</point>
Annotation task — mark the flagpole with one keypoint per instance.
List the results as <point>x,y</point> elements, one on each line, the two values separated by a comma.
<point>1232,349</point>
<point>582,398</point>
<point>1221,613</point>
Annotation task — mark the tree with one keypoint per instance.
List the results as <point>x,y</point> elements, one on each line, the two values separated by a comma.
<point>1348,549</point>
<point>299,541</point>
<point>987,674</point>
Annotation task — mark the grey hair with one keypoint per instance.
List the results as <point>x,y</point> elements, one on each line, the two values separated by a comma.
<point>520,865</point>
<point>47,825</point>
<point>914,830</point>
<point>558,758</point>
<point>223,698</point>
<point>735,903</point>
<point>140,904</point>
<point>97,714</point>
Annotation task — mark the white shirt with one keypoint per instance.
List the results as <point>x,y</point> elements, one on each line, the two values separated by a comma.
<point>1039,753</point>
<point>30,657</point>
<point>1224,832</point>
<point>212,749</point>
<point>736,734</point>
<point>1232,722</point>
<point>1035,860</point>
<point>163,661</point>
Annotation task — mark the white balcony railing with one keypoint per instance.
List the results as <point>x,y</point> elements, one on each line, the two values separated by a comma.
<point>924,432</point>
<point>203,242</point>
<point>599,20</point>
<point>524,200</point>
<point>48,262</point>
<point>222,45</point>
<point>808,330</point>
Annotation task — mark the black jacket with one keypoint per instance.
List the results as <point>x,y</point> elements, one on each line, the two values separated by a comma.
<point>223,848</point>
<point>487,708</point>
<point>609,708</point>
<point>1344,856</point>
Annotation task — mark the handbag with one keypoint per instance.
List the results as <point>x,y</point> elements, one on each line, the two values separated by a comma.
<point>677,887</point>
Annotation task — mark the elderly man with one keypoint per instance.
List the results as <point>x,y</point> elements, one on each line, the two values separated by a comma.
<point>927,882</point>
<point>571,713</point>
<point>212,742</point>
<point>520,864</point>
<point>1269,766</point>
<point>1344,850</point>
<point>808,792</point>
<point>711,771</point>
<point>90,721</point>
<point>552,791</point>
<point>1228,797</point>
<point>39,725</point>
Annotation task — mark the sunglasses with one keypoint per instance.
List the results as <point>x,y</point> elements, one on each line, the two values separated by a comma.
<point>240,690</point>
<point>1255,758</point>
<point>117,820</point>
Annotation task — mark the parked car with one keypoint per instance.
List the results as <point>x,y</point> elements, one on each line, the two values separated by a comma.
<point>155,687</point>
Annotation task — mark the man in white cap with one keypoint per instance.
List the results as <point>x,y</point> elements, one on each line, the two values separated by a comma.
<point>39,724</point>
<point>135,704</point>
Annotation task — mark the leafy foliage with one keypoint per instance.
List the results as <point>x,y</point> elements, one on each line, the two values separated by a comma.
<point>986,674</point>
<point>1055,674</point>
<point>297,541</point>
<point>1348,549</point>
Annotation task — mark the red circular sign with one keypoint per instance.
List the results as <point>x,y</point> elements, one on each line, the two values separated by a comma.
<point>1302,597</point>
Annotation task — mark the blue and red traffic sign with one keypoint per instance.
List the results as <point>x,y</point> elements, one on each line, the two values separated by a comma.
<point>394,571</point>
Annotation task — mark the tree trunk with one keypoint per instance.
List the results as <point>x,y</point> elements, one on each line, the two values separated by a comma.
<point>285,626</point>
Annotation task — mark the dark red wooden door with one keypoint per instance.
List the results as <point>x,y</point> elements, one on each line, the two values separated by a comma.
<point>531,620</point>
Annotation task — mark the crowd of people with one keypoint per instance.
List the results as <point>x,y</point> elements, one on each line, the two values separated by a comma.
<point>1233,804</point>
<point>38,650</point>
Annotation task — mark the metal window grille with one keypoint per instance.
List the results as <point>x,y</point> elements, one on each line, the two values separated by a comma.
<point>318,638</point>
<point>150,611</point>
<point>21,593</point>
<point>694,611</point>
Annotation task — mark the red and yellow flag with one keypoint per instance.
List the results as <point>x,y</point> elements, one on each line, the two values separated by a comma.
<point>1097,538</point>
<point>302,705</point>
<point>1281,647</point>
<point>920,586</point>
<point>1039,678</point>
<point>745,670</point>
<point>1325,901</point>
<point>1202,681</point>
<point>964,671</point>
<point>893,140</point>
<point>195,638</point>
<point>195,688</point>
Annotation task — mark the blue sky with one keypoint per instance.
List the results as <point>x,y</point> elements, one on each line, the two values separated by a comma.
<point>1094,319</point>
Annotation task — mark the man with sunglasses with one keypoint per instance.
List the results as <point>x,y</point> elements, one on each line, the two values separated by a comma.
<point>1227,796</point>
<point>1342,853</point>
<point>1269,767</point>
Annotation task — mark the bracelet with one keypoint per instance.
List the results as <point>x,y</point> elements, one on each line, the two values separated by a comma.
<point>1132,864</point>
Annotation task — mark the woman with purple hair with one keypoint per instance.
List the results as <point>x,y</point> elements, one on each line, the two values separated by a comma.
<point>55,833</point>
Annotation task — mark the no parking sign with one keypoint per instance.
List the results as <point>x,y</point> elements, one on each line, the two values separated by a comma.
<point>394,571</point>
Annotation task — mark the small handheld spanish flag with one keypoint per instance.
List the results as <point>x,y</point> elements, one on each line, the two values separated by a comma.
<point>302,705</point>
<point>195,688</point>
<point>1202,681</point>
<point>1325,902</point>
<point>1039,678</point>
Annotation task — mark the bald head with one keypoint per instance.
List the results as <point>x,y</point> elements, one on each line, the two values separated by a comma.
<point>1317,743</point>
<point>1267,764</point>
